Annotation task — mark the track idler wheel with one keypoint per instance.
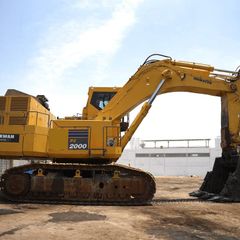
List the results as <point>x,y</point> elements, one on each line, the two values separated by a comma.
<point>16,185</point>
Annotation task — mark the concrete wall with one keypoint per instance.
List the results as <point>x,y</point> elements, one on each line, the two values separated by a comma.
<point>5,164</point>
<point>173,161</point>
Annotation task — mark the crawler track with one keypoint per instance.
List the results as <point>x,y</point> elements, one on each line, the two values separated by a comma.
<point>78,184</point>
<point>177,200</point>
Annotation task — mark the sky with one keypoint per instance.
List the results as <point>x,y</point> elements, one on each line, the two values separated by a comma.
<point>61,47</point>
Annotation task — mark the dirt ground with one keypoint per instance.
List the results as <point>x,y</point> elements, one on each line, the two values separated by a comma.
<point>164,220</point>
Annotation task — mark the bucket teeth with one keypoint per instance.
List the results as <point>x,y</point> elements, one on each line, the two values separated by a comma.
<point>197,193</point>
<point>220,199</point>
<point>207,196</point>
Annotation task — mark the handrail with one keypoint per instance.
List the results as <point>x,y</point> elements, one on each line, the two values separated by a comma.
<point>147,60</point>
<point>205,143</point>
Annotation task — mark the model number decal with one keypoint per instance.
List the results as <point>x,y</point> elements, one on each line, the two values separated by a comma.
<point>73,146</point>
<point>77,139</point>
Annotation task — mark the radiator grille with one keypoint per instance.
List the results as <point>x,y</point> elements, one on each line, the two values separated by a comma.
<point>19,104</point>
<point>17,120</point>
<point>2,103</point>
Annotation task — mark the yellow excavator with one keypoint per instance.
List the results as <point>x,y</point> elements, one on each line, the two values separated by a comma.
<point>73,159</point>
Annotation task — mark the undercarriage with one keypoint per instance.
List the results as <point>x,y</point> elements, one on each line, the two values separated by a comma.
<point>78,183</point>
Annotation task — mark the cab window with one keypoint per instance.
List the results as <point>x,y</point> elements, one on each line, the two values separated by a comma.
<point>100,99</point>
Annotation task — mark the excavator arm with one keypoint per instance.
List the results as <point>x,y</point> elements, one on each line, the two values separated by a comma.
<point>163,76</point>
<point>184,77</point>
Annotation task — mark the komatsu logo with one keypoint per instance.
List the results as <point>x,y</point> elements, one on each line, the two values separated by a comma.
<point>5,137</point>
<point>203,80</point>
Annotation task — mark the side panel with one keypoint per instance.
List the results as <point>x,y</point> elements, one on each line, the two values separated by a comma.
<point>24,125</point>
<point>20,141</point>
<point>11,148</point>
<point>35,141</point>
<point>84,139</point>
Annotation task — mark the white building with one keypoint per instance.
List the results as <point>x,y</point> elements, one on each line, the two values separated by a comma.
<point>182,157</point>
<point>7,163</point>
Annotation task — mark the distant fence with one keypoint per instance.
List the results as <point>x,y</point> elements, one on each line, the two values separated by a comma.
<point>175,143</point>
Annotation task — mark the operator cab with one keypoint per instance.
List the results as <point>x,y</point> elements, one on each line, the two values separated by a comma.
<point>98,98</point>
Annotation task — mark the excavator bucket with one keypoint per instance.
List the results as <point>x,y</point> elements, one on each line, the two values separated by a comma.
<point>222,184</point>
